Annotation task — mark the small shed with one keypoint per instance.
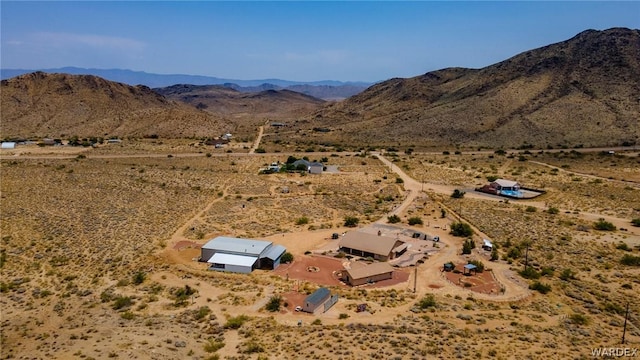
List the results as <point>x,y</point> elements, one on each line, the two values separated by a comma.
<point>469,268</point>
<point>8,145</point>
<point>449,266</point>
<point>316,168</point>
<point>319,301</point>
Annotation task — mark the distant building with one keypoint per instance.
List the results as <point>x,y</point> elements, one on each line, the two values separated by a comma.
<point>8,145</point>
<point>241,255</point>
<point>487,245</point>
<point>319,301</point>
<point>381,248</point>
<point>311,167</point>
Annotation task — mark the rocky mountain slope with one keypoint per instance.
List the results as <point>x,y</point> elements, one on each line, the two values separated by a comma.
<point>59,105</point>
<point>581,92</point>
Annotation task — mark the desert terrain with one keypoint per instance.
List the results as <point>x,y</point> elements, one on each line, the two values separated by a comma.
<point>99,249</point>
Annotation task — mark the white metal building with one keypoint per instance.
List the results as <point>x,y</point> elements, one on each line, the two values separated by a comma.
<point>241,255</point>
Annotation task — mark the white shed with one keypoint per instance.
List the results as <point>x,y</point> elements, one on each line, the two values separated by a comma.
<point>8,145</point>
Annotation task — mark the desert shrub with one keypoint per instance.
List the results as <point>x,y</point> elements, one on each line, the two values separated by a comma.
<point>529,273</point>
<point>630,260</point>
<point>302,220</point>
<point>261,151</point>
<point>182,294</point>
<point>127,315</point>
<point>236,322</point>
<point>457,194</point>
<point>415,220</point>
<point>274,303</point>
<point>614,308</point>
<point>623,246</point>
<point>316,322</point>
<point>122,302</point>
<point>567,274</point>
<point>492,178</point>
<point>579,319</point>
<point>494,253</point>
<point>139,277</point>
<point>427,302</point>
<point>393,219</point>
<point>635,222</point>
<point>547,271</point>
<point>213,345</point>
<point>461,229</point>
<point>540,287</point>
<point>604,225</point>
<point>251,347</point>
<point>399,181</point>
<point>201,313</point>
<point>343,316</point>
<point>553,211</point>
<point>286,258</point>
<point>468,245</point>
<point>351,221</point>
<point>531,209</point>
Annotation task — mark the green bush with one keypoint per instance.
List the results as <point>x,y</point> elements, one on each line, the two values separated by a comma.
<point>635,222</point>
<point>579,319</point>
<point>531,209</point>
<point>236,322</point>
<point>467,246</point>
<point>461,229</point>
<point>202,312</point>
<point>415,221</point>
<point>427,302</point>
<point>567,274</point>
<point>393,219</point>
<point>623,246</point>
<point>139,277</point>
<point>540,287</point>
<point>492,178</point>
<point>122,302</point>
<point>286,258</point>
<point>399,181</point>
<point>457,194</point>
<point>529,273</point>
<point>630,260</point>
<point>343,316</point>
<point>213,345</point>
<point>604,225</point>
<point>316,322</point>
<point>553,211</point>
<point>302,220</point>
<point>351,221</point>
<point>274,303</point>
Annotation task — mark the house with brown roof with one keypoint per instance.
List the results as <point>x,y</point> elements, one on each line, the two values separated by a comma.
<point>367,274</point>
<point>378,247</point>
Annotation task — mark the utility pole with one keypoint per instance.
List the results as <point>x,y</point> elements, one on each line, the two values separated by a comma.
<point>415,282</point>
<point>624,329</point>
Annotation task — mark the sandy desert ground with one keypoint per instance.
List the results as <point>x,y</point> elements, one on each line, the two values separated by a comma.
<point>91,270</point>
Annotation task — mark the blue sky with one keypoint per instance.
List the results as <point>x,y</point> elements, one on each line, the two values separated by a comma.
<point>301,41</point>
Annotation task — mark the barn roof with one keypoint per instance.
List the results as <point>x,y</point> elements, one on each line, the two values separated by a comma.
<point>237,245</point>
<point>369,270</point>
<point>274,252</point>
<point>318,296</point>
<point>379,245</point>
<point>230,259</point>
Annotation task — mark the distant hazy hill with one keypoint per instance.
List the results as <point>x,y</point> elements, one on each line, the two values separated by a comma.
<point>246,109</point>
<point>328,89</point>
<point>59,105</point>
<point>583,91</point>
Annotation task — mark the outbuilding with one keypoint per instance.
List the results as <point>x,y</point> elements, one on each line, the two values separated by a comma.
<point>241,255</point>
<point>8,145</point>
<point>368,274</point>
<point>487,245</point>
<point>319,301</point>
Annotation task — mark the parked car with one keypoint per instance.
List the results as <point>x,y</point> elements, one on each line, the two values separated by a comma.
<point>436,238</point>
<point>334,236</point>
<point>298,308</point>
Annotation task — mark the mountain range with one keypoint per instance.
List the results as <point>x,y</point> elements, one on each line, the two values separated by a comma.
<point>326,89</point>
<point>584,91</point>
